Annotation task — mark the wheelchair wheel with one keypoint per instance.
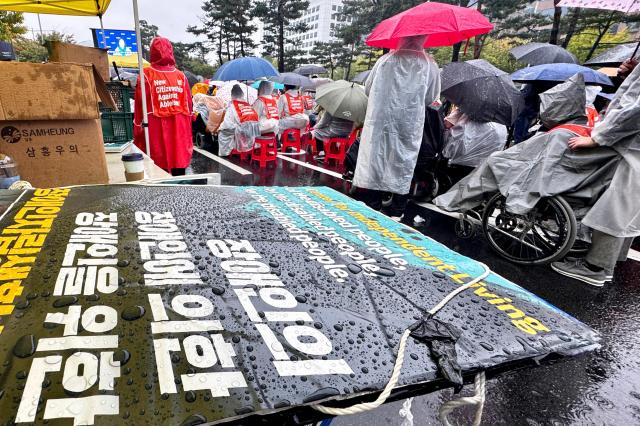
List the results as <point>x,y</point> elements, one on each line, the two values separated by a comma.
<point>387,199</point>
<point>543,235</point>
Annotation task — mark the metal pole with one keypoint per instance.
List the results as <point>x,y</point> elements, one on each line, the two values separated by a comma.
<point>141,82</point>
<point>104,39</point>
<point>40,25</point>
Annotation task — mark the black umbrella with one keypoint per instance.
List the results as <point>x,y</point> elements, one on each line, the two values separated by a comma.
<point>292,79</point>
<point>310,69</point>
<point>615,56</point>
<point>361,77</point>
<point>482,91</point>
<point>542,53</point>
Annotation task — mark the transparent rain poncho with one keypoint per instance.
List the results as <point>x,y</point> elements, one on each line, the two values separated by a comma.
<point>542,166</point>
<point>267,125</point>
<point>617,211</point>
<point>288,121</point>
<point>400,86</point>
<point>470,142</point>
<point>236,135</point>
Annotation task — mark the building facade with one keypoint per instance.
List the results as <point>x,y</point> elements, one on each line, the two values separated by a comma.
<point>323,18</point>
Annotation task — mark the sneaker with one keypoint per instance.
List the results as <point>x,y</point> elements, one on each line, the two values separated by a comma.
<point>319,158</point>
<point>608,274</point>
<point>397,218</point>
<point>578,270</point>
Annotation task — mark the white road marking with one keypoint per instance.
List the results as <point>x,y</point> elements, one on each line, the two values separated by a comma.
<point>222,161</point>
<point>300,152</point>
<point>634,255</point>
<point>311,166</point>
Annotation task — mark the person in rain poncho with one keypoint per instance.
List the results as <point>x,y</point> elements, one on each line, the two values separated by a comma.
<point>267,108</point>
<point>240,125</point>
<point>168,110</point>
<point>615,217</point>
<point>329,127</point>
<point>593,116</point>
<point>400,86</point>
<point>469,142</point>
<point>291,109</point>
<point>542,166</point>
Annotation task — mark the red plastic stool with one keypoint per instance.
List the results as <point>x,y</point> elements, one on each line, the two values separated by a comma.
<point>290,139</point>
<point>243,155</point>
<point>307,141</point>
<point>336,148</point>
<point>265,149</point>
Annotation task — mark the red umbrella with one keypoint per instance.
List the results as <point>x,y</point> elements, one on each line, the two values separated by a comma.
<point>445,25</point>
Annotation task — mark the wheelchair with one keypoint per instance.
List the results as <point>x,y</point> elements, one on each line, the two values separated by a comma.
<point>545,234</point>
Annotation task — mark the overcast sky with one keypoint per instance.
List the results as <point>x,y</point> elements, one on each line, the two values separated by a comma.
<point>171,16</point>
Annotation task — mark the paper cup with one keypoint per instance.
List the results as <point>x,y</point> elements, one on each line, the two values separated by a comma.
<point>133,163</point>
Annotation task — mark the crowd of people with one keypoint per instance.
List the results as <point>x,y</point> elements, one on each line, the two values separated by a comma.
<point>580,148</point>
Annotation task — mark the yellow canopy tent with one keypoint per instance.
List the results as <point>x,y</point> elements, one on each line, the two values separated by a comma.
<point>85,8</point>
<point>129,61</point>
<point>57,7</point>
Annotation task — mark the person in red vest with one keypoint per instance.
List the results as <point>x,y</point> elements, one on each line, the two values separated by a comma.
<point>308,103</point>
<point>291,109</point>
<point>267,108</point>
<point>169,110</point>
<point>240,126</point>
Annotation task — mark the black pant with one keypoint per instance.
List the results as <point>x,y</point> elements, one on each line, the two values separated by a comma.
<point>374,199</point>
<point>178,172</point>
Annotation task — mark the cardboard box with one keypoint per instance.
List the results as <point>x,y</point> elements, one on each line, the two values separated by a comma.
<point>47,92</point>
<point>68,52</point>
<point>56,152</point>
<point>50,124</point>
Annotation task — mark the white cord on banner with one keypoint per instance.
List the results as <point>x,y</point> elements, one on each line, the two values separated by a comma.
<point>395,375</point>
<point>477,400</point>
<point>405,413</point>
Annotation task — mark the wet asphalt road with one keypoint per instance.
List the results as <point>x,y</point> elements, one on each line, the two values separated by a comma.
<point>600,388</point>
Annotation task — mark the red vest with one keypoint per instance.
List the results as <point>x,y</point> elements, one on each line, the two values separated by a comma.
<point>592,116</point>
<point>295,104</point>
<point>245,111</point>
<point>169,92</point>
<point>270,107</point>
<point>308,102</point>
<point>576,129</point>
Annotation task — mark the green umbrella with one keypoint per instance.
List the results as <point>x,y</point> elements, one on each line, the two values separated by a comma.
<point>343,100</point>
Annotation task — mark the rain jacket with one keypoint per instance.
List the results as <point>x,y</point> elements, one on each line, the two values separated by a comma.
<point>331,127</point>
<point>400,86</point>
<point>617,212</point>
<point>238,131</point>
<point>542,166</point>
<point>288,120</point>
<point>470,142</point>
<point>268,114</point>
<point>170,140</point>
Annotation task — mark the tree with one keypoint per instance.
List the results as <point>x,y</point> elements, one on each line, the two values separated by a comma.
<point>147,33</point>
<point>11,25</point>
<point>197,64</point>
<point>293,58</point>
<point>555,27</point>
<point>227,27</point>
<point>28,50</point>
<point>324,53</point>
<point>279,18</point>
<point>582,43</point>
<point>599,24</point>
